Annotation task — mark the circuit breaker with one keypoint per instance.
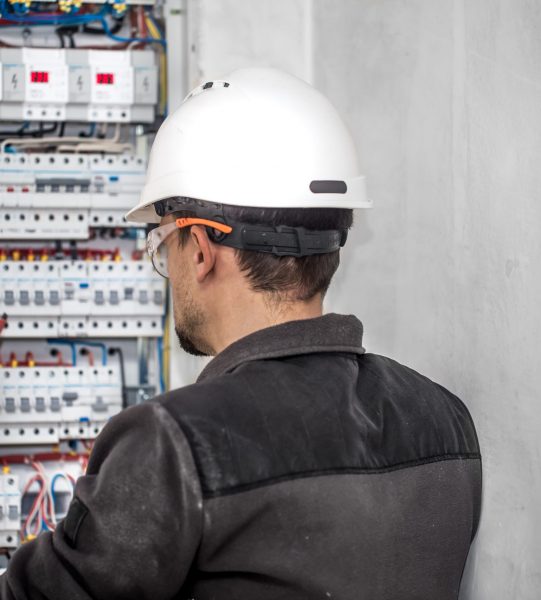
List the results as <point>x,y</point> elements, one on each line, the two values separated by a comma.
<point>10,510</point>
<point>78,85</point>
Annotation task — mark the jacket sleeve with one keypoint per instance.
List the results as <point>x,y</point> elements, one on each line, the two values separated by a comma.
<point>133,527</point>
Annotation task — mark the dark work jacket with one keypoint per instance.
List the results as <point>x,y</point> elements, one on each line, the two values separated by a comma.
<point>297,467</point>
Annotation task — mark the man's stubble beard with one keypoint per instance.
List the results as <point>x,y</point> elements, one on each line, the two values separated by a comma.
<point>188,328</point>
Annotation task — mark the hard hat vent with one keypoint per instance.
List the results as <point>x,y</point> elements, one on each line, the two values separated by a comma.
<point>328,187</point>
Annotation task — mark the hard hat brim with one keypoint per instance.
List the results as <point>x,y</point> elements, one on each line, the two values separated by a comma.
<point>245,191</point>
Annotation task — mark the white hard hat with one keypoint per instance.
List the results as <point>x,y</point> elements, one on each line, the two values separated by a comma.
<point>260,138</point>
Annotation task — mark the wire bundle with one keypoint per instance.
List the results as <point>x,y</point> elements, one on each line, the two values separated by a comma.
<point>41,18</point>
<point>111,145</point>
<point>42,513</point>
<point>12,16</point>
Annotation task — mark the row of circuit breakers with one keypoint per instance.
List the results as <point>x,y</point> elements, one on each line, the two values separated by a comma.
<point>78,85</point>
<point>45,405</point>
<point>61,197</point>
<point>81,298</point>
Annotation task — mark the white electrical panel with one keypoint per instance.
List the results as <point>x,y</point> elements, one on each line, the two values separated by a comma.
<point>56,196</point>
<point>49,84</point>
<point>10,510</point>
<point>82,311</point>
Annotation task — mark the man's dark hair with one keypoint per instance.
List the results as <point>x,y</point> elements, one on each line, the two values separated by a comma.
<point>294,278</point>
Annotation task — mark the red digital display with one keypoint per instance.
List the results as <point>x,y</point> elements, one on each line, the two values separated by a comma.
<point>39,76</point>
<point>105,78</point>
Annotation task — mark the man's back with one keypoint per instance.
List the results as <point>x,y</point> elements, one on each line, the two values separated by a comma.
<point>297,468</point>
<point>326,472</point>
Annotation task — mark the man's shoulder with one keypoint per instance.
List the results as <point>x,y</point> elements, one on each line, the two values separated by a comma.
<point>389,377</point>
<point>393,377</point>
<point>307,413</point>
<point>417,406</point>
<point>376,384</point>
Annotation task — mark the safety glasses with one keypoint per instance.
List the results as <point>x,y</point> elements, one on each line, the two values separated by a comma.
<point>157,248</point>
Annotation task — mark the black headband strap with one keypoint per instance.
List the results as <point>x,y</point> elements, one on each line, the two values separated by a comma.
<point>281,240</point>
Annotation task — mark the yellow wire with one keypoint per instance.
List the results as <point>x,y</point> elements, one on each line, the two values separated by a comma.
<point>152,28</point>
<point>154,32</point>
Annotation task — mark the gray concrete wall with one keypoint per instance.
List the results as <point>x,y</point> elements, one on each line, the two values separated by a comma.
<point>443,98</point>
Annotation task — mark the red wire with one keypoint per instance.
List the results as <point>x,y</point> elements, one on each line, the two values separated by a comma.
<point>3,321</point>
<point>53,364</point>
<point>22,459</point>
<point>46,500</point>
<point>31,481</point>
<point>42,499</point>
<point>38,477</point>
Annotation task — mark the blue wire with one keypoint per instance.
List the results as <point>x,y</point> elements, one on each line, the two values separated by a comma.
<point>53,481</point>
<point>34,22</point>
<point>52,488</point>
<point>74,343</point>
<point>65,343</point>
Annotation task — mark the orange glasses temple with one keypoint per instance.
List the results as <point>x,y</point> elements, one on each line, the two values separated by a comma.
<point>186,222</point>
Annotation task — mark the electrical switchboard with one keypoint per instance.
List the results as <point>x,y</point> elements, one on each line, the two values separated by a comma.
<point>82,311</point>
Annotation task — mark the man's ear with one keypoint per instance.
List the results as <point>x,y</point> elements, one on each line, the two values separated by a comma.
<point>204,257</point>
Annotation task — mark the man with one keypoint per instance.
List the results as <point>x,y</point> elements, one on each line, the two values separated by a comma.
<point>298,466</point>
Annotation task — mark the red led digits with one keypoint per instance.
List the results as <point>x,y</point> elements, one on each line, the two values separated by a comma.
<point>39,76</point>
<point>105,78</point>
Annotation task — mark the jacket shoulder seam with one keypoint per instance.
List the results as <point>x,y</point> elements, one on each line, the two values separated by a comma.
<point>245,487</point>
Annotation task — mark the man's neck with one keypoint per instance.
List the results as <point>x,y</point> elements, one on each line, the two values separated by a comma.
<point>241,318</point>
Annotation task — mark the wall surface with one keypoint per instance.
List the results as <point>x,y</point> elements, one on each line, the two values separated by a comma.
<point>443,99</point>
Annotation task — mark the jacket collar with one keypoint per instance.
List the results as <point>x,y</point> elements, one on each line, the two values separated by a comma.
<point>329,333</point>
